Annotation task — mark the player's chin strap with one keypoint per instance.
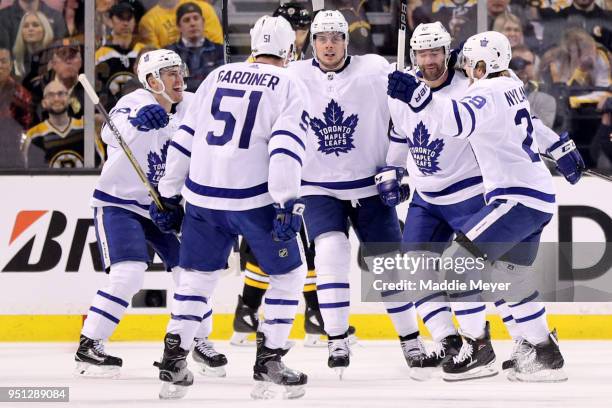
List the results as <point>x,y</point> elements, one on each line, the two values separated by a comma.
<point>165,94</point>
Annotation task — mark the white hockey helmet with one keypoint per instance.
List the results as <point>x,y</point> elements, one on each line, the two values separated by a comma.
<point>427,36</point>
<point>272,36</point>
<point>492,48</point>
<point>329,21</point>
<point>153,61</point>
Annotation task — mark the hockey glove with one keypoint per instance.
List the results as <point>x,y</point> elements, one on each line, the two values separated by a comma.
<point>170,219</point>
<point>388,183</point>
<point>288,221</point>
<point>150,117</point>
<point>569,161</point>
<point>409,90</point>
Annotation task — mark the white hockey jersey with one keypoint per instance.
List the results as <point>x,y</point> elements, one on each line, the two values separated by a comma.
<point>442,169</point>
<point>348,120</point>
<point>494,115</point>
<point>119,185</point>
<point>244,140</point>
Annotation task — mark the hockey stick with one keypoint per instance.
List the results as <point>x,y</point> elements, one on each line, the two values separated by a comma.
<point>225,28</point>
<point>128,152</point>
<point>401,35</point>
<point>317,5</point>
<point>593,173</point>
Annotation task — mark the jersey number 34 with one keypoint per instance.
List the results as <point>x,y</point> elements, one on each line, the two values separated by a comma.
<point>230,119</point>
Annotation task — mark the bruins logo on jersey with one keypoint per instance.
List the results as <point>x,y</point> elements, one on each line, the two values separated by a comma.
<point>66,159</point>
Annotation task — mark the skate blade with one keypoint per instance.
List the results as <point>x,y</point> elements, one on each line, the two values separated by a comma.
<point>482,372</point>
<point>340,372</point>
<point>423,374</point>
<point>87,370</point>
<point>171,391</point>
<point>542,376</point>
<point>208,371</point>
<point>352,339</point>
<point>315,340</point>
<point>242,340</point>
<point>265,390</point>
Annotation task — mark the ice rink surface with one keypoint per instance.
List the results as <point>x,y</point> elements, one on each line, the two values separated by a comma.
<point>377,377</point>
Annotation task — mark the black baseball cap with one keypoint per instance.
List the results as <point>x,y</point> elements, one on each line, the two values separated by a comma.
<point>297,15</point>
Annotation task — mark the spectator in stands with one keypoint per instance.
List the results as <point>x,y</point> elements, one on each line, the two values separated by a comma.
<point>509,25</point>
<point>200,54</point>
<point>115,60</point>
<point>101,22</point>
<point>34,35</point>
<point>360,30</point>
<point>10,18</point>
<point>542,104</point>
<point>58,141</point>
<point>74,15</point>
<point>604,133</point>
<point>15,113</point>
<point>158,26</point>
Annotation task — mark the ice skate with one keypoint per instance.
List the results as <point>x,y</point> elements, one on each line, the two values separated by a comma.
<point>211,362</point>
<point>541,363</point>
<point>173,369</point>
<point>313,326</point>
<point>92,361</point>
<point>270,373</point>
<point>519,351</point>
<point>339,354</point>
<point>475,360</point>
<point>246,322</point>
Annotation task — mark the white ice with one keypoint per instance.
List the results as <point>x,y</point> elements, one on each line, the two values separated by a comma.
<point>377,377</point>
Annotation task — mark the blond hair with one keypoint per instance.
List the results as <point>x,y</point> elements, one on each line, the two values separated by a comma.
<point>20,49</point>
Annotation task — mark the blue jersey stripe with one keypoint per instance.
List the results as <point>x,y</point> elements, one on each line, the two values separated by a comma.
<point>397,140</point>
<point>190,298</point>
<point>207,315</point>
<point>429,297</point>
<point>334,305</point>
<point>435,312</point>
<point>472,116</point>
<point>105,314</point>
<point>533,316</point>
<point>528,299</point>
<point>102,196</point>
<point>187,129</point>
<point>186,317</point>
<point>113,298</point>
<point>523,191</point>
<point>291,135</point>
<point>457,118</point>
<point>470,311</point>
<point>400,308</point>
<point>278,321</point>
<point>281,302</point>
<point>180,148</point>
<point>453,188</point>
<point>220,192</point>
<point>342,185</point>
<point>286,152</point>
<point>333,286</point>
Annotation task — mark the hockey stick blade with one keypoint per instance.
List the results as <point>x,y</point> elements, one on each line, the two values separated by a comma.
<point>318,5</point>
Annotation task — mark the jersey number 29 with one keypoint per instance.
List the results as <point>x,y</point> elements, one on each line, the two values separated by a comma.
<point>522,114</point>
<point>230,119</point>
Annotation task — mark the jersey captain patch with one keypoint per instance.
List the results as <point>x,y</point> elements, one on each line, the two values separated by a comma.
<point>335,133</point>
<point>425,154</point>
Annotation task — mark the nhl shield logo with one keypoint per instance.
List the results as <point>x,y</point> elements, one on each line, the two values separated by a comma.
<point>283,252</point>
<point>424,152</point>
<point>335,133</point>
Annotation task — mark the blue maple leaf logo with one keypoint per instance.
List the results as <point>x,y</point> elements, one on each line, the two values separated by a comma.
<point>425,154</point>
<point>335,133</point>
<point>157,164</point>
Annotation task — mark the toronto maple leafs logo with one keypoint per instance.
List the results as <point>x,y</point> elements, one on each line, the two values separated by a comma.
<point>335,133</point>
<point>157,164</point>
<point>424,153</point>
<point>484,42</point>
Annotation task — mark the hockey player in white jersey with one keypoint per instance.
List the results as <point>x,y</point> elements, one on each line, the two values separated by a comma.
<point>494,114</point>
<point>146,118</point>
<point>246,146</point>
<point>348,120</point>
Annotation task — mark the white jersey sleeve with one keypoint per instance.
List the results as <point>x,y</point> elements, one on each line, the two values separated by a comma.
<point>287,147</point>
<point>179,154</point>
<point>544,135</point>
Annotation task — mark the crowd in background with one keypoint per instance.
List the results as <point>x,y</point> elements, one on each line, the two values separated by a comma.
<point>561,51</point>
